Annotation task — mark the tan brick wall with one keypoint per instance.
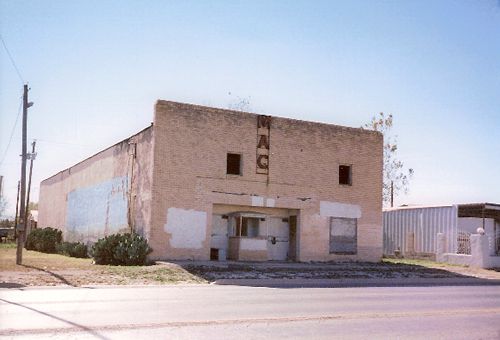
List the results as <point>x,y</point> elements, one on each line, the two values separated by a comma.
<point>179,174</point>
<point>190,147</point>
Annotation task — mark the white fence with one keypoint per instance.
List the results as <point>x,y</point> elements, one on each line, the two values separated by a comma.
<point>482,252</point>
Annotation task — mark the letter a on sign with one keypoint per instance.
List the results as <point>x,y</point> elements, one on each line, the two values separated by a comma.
<point>263,142</point>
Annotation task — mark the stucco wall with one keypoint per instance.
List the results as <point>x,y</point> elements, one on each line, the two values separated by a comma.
<point>482,252</point>
<point>92,198</point>
<point>191,144</point>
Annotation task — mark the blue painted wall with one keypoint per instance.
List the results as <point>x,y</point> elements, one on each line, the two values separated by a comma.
<point>96,211</point>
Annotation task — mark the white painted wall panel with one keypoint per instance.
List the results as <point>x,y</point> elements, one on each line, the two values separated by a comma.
<point>253,244</point>
<point>336,209</point>
<point>219,232</point>
<point>187,228</point>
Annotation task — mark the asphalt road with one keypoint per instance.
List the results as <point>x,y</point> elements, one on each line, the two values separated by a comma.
<point>237,312</point>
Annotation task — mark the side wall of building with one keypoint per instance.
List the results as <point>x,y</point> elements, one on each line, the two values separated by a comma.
<point>107,193</point>
<point>189,178</point>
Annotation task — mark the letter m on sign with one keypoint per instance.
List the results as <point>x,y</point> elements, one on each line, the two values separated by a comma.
<point>264,122</point>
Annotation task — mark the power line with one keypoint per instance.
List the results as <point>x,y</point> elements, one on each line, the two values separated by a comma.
<point>12,132</point>
<point>64,143</point>
<point>12,60</point>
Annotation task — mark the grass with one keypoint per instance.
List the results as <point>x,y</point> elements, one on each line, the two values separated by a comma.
<point>423,263</point>
<point>51,269</point>
<point>155,273</point>
<point>39,260</point>
<point>8,245</point>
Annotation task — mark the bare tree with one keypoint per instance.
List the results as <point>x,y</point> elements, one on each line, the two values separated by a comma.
<point>33,206</point>
<point>239,103</point>
<point>3,205</point>
<point>396,177</point>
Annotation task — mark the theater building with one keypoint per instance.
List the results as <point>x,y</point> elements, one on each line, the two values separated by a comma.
<point>205,183</point>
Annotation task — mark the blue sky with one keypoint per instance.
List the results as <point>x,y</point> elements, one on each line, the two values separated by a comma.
<point>96,68</point>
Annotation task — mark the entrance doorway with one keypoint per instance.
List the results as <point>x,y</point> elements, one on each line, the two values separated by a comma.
<point>292,238</point>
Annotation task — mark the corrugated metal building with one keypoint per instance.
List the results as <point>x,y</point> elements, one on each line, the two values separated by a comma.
<point>415,229</point>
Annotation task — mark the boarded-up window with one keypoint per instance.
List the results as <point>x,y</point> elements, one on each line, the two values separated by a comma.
<point>233,164</point>
<point>343,235</point>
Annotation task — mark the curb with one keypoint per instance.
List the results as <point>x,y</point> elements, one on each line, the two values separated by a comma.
<point>345,283</point>
<point>297,283</point>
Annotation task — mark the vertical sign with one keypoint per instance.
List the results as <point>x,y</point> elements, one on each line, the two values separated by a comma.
<point>263,134</point>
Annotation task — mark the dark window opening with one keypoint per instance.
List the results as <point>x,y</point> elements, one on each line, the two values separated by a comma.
<point>233,164</point>
<point>345,175</point>
<point>214,254</point>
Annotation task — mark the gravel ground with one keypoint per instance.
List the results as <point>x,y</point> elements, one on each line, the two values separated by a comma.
<point>340,270</point>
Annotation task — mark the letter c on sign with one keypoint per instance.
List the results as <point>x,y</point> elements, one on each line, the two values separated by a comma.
<point>263,161</point>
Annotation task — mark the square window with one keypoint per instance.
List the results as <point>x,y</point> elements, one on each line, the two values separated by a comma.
<point>233,164</point>
<point>247,226</point>
<point>345,175</point>
<point>343,235</point>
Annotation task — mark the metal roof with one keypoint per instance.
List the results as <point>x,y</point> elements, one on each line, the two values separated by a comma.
<point>486,210</point>
<point>483,210</point>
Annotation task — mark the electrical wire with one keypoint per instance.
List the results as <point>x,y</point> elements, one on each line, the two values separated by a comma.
<point>64,143</point>
<point>12,132</point>
<point>12,60</point>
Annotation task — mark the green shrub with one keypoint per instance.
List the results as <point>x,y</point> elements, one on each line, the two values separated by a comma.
<point>121,249</point>
<point>73,249</point>
<point>43,240</point>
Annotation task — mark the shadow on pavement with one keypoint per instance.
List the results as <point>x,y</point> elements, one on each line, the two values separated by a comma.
<point>76,325</point>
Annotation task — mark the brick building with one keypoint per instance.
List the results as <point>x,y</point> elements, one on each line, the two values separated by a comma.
<point>205,183</point>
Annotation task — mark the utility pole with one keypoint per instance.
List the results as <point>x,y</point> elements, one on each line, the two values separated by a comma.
<point>17,207</point>
<point>32,157</point>
<point>392,194</point>
<point>1,181</point>
<point>22,210</point>
<point>1,201</point>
